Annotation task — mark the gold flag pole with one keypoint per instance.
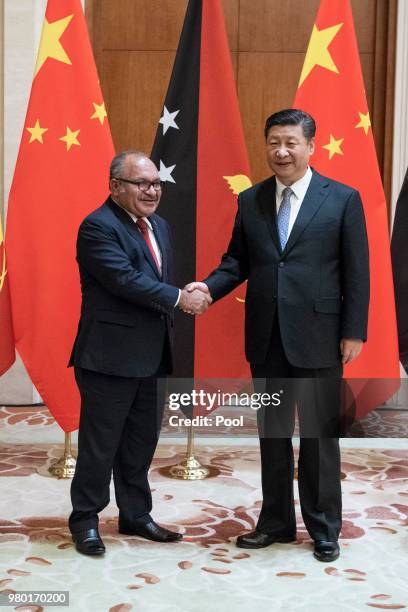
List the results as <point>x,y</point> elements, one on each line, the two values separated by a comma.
<point>64,467</point>
<point>190,468</point>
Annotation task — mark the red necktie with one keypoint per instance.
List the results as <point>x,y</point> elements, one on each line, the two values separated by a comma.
<point>142,225</point>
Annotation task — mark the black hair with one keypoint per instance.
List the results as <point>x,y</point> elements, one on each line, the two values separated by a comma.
<point>292,116</point>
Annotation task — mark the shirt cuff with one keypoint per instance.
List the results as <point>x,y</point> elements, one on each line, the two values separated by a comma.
<point>178,299</point>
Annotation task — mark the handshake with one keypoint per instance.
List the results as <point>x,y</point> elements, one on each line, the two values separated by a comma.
<point>195,298</point>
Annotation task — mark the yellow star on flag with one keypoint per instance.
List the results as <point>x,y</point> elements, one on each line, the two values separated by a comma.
<point>100,112</point>
<point>37,132</point>
<point>317,53</point>
<point>71,138</point>
<point>50,45</point>
<point>333,146</point>
<point>364,122</point>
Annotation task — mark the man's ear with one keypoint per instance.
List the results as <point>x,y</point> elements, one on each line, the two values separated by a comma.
<point>113,186</point>
<point>311,146</point>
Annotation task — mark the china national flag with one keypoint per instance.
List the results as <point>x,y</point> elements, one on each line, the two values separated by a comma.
<point>331,89</point>
<point>7,354</point>
<point>61,175</point>
<point>200,151</point>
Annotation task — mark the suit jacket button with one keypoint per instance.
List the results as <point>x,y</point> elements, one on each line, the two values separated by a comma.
<point>281,264</point>
<point>162,317</point>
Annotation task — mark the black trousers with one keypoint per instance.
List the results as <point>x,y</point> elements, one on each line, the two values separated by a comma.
<point>118,432</point>
<point>317,395</point>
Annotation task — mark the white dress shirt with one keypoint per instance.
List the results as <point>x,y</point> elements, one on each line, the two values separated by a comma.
<point>299,189</point>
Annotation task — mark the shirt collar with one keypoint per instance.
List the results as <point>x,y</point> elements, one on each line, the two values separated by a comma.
<point>299,187</point>
<point>132,216</point>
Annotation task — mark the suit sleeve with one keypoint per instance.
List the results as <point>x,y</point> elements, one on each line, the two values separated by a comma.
<point>355,271</point>
<point>100,254</point>
<point>233,269</point>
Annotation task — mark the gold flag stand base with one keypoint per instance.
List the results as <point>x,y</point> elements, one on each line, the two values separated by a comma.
<point>64,467</point>
<point>190,468</point>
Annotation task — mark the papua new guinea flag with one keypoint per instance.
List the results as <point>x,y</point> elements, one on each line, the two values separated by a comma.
<point>201,155</point>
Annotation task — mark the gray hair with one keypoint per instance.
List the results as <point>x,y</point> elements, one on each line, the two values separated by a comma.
<point>118,162</point>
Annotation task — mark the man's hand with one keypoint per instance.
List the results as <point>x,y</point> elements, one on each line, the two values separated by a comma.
<point>350,348</point>
<point>194,301</point>
<point>200,286</point>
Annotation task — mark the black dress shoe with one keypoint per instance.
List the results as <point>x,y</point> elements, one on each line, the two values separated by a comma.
<point>150,531</point>
<point>326,551</point>
<point>257,539</point>
<point>89,542</point>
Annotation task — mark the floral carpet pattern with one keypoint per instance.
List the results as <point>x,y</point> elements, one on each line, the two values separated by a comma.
<point>206,571</point>
<point>380,423</point>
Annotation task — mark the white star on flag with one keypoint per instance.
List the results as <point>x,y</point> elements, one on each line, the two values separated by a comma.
<point>167,120</point>
<point>165,173</point>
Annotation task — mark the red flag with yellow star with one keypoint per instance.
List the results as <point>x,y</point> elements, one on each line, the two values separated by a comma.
<point>7,354</point>
<point>61,175</point>
<point>331,89</point>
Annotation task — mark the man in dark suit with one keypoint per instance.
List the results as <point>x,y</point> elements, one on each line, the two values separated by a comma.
<point>300,240</point>
<point>122,347</point>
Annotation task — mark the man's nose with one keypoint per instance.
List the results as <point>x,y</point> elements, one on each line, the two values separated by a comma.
<point>282,152</point>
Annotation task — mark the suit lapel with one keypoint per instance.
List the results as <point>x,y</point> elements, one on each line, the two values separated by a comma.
<point>267,203</point>
<point>315,195</point>
<point>132,229</point>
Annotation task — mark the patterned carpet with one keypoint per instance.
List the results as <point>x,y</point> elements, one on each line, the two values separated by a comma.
<point>380,423</point>
<point>205,571</point>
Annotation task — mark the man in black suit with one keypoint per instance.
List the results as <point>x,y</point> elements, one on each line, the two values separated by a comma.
<point>123,346</point>
<point>300,240</point>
